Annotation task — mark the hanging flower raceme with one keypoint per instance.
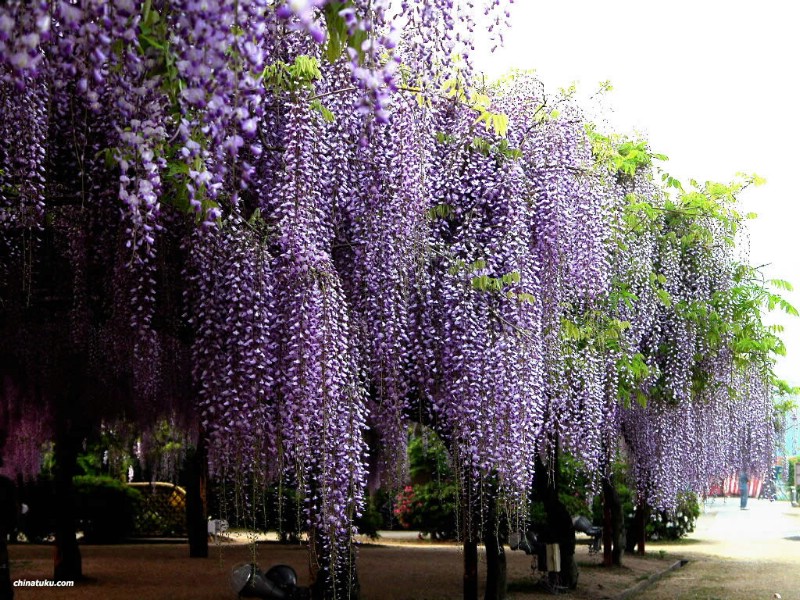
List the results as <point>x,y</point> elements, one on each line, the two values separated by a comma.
<point>320,400</point>
<point>351,250</point>
<point>381,212</point>
<point>23,126</point>
<point>24,28</point>
<point>233,355</point>
<point>221,48</point>
<point>701,411</point>
<point>24,431</point>
<point>570,232</point>
<point>476,350</point>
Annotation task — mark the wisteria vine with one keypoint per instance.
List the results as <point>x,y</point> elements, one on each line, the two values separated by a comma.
<point>294,228</point>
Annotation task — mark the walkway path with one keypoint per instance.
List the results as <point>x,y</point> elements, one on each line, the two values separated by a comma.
<point>736,554</point>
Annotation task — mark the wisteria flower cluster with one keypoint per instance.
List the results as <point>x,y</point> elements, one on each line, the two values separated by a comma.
<point>281,226</point>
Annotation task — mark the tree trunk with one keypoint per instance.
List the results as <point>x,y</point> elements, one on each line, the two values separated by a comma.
<point>8,522</point>
<point>641,526</point>
<point>470,534</point>
<point>608,559</point>
<point>560,529</point>
<point>196,500</point>
<point>613,524</point>
<point>496,571</point>
<point>67,559</point>
<point>470,570</point>
<point>6,586</point>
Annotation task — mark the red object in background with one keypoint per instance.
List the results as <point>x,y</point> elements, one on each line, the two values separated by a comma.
<point>730,487</point>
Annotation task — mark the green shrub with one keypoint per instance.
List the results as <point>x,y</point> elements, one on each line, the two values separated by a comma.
<point>376,515</point>
<point>430,508</point>
<point>105,508</point>
<point>428,459</point>
<point>429,502</point>
<point>676,524</point>
<point>662,525</point>
<point>39,522</point>
<point>626,498</point>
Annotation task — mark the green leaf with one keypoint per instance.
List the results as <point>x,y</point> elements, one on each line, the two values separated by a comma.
<point>500,124</point>
<point>327,115</point>
<point>148,41</point>
<point>255,217</point>
<point>788,308</point>
<point>781,284</point>
<point>337,31</point>
<point>481,145</point>
<point>481,283</point>
<point>526,297</point>
<point>441,211</point>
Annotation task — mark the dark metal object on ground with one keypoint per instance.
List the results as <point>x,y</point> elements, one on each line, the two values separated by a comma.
<point>278,583</point>
<point>584,525</point>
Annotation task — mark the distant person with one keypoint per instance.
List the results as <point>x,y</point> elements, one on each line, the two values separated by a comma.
<point>743,490</point>
<point>8,524</point>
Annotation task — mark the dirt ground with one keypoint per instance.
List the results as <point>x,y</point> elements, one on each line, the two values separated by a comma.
<point>733,555</point>
<point>392,571</point>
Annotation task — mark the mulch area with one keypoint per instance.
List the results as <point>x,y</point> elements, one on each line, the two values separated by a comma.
<point>420,571</point>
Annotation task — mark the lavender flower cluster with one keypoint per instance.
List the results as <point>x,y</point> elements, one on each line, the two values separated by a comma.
<point>350,252</point>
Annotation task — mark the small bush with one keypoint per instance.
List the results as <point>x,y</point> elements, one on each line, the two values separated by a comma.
<point>374,516</point>
<point>676,524</point>
<point>105,508</point>
<point>429,502</point>
<point>430,508</point>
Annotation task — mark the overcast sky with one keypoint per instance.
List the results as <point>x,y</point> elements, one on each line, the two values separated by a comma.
<point>713,85</point>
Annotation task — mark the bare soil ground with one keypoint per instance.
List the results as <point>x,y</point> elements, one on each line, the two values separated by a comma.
<point>733,555</point>
<point>391,571</point>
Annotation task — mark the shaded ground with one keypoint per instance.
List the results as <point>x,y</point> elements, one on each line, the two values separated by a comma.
<point>733,554</point>
<point>394,571</point>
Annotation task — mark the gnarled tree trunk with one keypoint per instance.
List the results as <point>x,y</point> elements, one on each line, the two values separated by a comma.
<point>8,522</point>
<point>496,582</point>
<point>68,565</point>
<point>196,500</point>
<point>470,534</point>
<point>641,524</point>
<point>560,529</point>
<point>636,537</point>
<point>613,524</point>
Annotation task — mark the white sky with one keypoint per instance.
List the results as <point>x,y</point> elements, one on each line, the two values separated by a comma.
<point>714,85</point>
